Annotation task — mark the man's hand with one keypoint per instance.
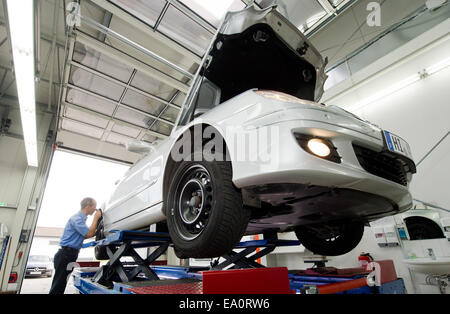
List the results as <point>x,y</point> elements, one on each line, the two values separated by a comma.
<point>98,214</point>
<point>93,228</point>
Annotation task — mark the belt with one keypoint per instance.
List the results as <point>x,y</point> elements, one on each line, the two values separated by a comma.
<point>68,248</point>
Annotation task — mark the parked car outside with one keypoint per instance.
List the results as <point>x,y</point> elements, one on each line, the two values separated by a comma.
<point>39,265</point>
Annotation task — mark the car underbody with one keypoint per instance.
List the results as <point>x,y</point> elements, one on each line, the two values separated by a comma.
<point>286,206</point>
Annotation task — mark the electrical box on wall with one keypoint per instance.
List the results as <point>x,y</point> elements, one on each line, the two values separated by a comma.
<point>380,237</point>
<point>386,236</point>
<point>403,232</point>
<point>24,236</point>
<point>391,236</point>
<point>446,226</point>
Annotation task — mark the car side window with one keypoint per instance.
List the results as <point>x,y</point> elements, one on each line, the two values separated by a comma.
<point>208,97</point>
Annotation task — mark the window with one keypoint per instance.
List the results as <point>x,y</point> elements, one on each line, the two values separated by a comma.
<point>207,97</point>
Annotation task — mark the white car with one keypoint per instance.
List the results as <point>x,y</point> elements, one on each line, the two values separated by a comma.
<point>253,153</point>
<point>39,265</point>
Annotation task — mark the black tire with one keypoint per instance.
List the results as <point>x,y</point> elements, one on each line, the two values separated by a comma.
<point>332,239</point>
<point>100,251</point>
<point>212,220</point>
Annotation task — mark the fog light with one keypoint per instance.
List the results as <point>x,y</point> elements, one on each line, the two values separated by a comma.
<point>318,147</point>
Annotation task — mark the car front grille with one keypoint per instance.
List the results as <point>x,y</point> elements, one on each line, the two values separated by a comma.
<point>382,164</point>
<point>36,268</point>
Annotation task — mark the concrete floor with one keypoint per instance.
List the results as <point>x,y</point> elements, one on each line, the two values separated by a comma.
<point>41,285</point>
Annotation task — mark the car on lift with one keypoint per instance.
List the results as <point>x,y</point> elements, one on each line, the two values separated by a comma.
<point>254,152</point>
<point>38,266</point>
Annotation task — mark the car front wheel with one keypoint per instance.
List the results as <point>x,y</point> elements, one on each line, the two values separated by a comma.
<point>205,214</point>
<point>100,251</point>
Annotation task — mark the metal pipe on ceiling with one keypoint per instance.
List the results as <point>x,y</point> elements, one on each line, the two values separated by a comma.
<point>130,61</point>
<point>119,104</point>
<point>123,39</point>
<point>165,108</point>
<point>161,16</point>
<point>117,121</point>
<point>127,86</point>
<point>111,123</point>
<point>125,16</point>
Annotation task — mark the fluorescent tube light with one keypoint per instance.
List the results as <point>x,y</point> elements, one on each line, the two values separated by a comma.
<point>402,84</point>
<point>438,66</point>
<point>386,92</point>
<point>21,29</point>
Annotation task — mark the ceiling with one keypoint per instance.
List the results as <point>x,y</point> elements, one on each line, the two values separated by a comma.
<point>123,72</point>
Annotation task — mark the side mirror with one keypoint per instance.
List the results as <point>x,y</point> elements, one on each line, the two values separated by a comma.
<point>199,111</point>
<point>139,147</point>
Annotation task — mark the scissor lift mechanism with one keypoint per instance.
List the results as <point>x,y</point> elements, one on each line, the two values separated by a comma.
<point>122,277</point>
<point>123,243</point>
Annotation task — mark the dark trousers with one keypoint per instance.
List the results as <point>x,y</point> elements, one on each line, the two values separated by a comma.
<point>63,263</point>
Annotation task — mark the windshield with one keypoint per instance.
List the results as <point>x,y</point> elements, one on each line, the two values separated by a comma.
<point>39,258</point>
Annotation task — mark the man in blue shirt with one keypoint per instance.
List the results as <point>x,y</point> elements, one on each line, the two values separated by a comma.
<point>71,241</point>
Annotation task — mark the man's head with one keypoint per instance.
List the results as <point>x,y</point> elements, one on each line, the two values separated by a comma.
<point>88,205</point>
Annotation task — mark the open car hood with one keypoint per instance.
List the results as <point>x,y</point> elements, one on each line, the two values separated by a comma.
<point>256,48</point>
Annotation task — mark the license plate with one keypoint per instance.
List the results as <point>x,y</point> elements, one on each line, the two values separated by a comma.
<point>35,273</point>
<point>397,145</point>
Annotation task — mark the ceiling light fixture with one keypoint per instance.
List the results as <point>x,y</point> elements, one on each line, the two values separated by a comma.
<point>401,85</point>
<point>21,29</point>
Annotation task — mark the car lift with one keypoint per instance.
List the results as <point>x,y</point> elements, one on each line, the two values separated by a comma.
<point>243,275</point>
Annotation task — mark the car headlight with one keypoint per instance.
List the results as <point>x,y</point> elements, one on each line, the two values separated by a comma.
<point>279,96</point>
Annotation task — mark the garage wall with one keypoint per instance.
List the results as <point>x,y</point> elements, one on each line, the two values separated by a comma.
<point>12,163</point>
<point>20,186</point>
